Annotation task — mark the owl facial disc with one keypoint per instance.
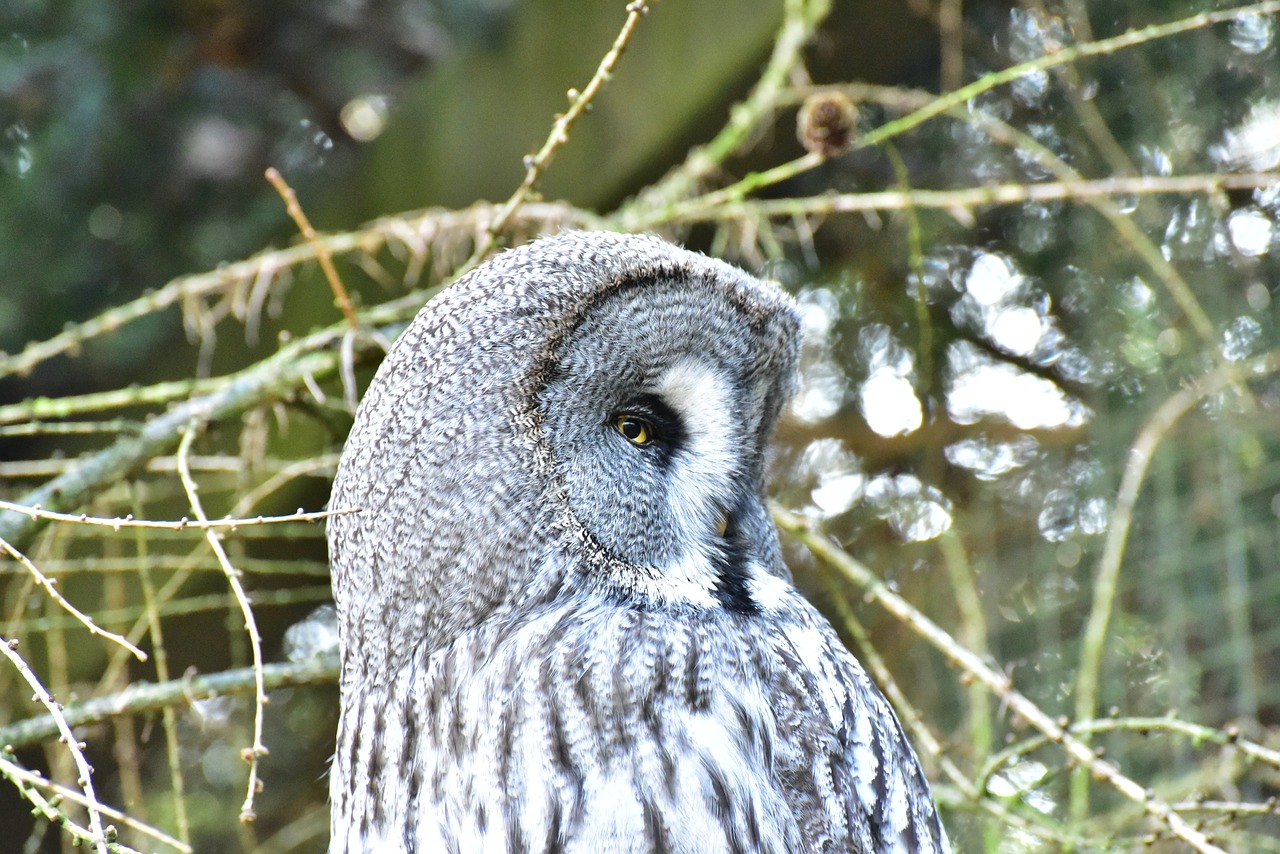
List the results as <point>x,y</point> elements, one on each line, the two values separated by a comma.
<point>661,447</point>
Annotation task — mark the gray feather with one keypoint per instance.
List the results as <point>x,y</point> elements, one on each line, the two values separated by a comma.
<point>558,638</point>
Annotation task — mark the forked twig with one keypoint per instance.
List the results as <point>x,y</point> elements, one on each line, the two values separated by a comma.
<point>257,749</point>
<point>28,778</point>
<point>10,650</point>
<point>49,586</point>
<point>579,102</point>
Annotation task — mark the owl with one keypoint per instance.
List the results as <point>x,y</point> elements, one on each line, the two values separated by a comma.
<point>565,623</point>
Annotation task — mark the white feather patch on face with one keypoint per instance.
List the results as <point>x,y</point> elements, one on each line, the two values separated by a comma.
<point>704,471</point>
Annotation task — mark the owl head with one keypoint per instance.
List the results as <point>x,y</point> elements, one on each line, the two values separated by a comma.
<point>588,411</point>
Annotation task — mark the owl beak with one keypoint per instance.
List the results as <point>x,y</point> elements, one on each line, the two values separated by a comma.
<point>722,523</point>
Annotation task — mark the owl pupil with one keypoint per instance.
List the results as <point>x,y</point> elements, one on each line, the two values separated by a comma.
<point>634,430</point>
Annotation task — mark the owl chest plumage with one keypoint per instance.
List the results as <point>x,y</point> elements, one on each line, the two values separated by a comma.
<point>592,726</point>
<point>562,605</point>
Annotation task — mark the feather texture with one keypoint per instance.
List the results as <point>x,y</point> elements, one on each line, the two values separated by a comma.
<point>555,638</point>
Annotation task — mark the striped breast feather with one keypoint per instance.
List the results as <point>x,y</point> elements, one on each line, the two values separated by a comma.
<point>863,789</point>
<point>588,727</point>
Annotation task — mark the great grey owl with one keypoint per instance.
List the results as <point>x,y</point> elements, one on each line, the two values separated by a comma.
<point>565,622</point>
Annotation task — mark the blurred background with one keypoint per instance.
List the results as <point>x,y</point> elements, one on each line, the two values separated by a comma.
<point>976,376</point>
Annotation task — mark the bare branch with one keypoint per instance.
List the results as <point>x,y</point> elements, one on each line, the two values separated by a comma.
<point>9,648</point>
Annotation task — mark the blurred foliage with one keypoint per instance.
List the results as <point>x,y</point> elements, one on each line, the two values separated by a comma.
<point>1048,418</point>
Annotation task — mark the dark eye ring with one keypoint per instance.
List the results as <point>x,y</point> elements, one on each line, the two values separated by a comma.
<point>634,429</point>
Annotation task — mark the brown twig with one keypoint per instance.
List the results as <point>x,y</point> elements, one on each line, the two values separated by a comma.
<point>340,297</point>
<point>579,102</point>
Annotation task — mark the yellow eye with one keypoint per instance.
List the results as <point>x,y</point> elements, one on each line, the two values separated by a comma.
<point>635,430</point>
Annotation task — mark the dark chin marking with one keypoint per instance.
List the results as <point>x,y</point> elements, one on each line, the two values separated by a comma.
<point>731,578</point>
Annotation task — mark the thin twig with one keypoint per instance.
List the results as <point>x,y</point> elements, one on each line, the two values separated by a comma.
<point>27,777</point>
<point>756,181</point>
<point>168,720</point>
<point>188,605</point>
<point>9,649</point>
<point>50,587</point>
<point>800,20</point>
<point>164,463</point>
<point>68,428</point>
<point>579,102</point>
<point>999,683</point>
<point>964,198</point>
<point>1197,733</point>
<point>1106,579</point>
<point>924,378</point>
<point>950,20</point>
<point>257,749</point>
<point>323,256</point>
<point>35,409</point>
<point>184,524</point>
<point>324,464</point>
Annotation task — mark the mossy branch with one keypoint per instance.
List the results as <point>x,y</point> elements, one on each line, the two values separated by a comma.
<point>142,696</point>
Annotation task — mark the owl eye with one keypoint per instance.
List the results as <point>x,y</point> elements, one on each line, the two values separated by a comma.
<point>646,421</point>
<point>634,429</point>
